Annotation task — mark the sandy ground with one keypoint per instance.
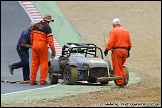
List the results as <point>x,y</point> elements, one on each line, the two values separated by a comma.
<point>93,22</point>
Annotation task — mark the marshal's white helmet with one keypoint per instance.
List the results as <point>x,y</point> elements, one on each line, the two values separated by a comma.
<point>116,21</point>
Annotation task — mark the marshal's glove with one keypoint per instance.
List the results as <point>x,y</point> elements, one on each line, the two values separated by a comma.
<point>128,52</point>
<point>53,54</point>
<point>106,52</point>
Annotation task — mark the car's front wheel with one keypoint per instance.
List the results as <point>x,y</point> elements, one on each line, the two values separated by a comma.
<point>70,75</point>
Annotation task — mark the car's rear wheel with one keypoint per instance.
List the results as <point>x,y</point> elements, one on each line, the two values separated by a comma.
<point>70,75</point>
<point>52,79</point>
<point>126,79</point>
<point>127,74</point>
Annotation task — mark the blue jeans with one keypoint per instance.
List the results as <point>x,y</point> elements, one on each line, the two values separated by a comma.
<point>24,63</point>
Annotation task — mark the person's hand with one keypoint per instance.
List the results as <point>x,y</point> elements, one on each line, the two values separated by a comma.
<point>106,52</point>
<point>53,54</point>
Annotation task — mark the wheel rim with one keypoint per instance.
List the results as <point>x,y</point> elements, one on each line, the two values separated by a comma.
<point>67,74</point>
<point>70,75</point>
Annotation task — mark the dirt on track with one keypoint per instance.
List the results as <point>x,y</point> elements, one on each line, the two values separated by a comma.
<point>93,21</point>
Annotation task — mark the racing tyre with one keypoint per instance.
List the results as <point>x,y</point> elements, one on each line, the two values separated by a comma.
<point>70,75</point>
<point>125,79</point>
<point>52,79</point>
<point>127,74</point>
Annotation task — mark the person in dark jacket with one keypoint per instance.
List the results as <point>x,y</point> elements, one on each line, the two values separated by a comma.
<point>22,48</point>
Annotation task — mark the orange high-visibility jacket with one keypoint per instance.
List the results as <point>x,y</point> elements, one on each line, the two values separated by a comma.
<point>119,37</point>
<point>42,32</point>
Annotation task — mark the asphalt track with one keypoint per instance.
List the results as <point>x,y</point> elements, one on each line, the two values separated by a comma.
<point>14,14</point>
<point>13,20</point>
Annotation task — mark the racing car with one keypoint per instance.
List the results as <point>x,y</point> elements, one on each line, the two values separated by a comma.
<point>81,62</point>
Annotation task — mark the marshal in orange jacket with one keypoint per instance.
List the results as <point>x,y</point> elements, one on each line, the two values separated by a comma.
<point>41,36</point>
<point>119,41</point>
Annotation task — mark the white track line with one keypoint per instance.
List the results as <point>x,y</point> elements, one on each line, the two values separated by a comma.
<point>29,90</point>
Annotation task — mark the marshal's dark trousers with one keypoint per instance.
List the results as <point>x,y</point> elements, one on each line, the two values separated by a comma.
<point>24,63</point>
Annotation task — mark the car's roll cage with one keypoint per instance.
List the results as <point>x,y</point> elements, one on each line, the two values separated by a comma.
<point>69,48</point>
